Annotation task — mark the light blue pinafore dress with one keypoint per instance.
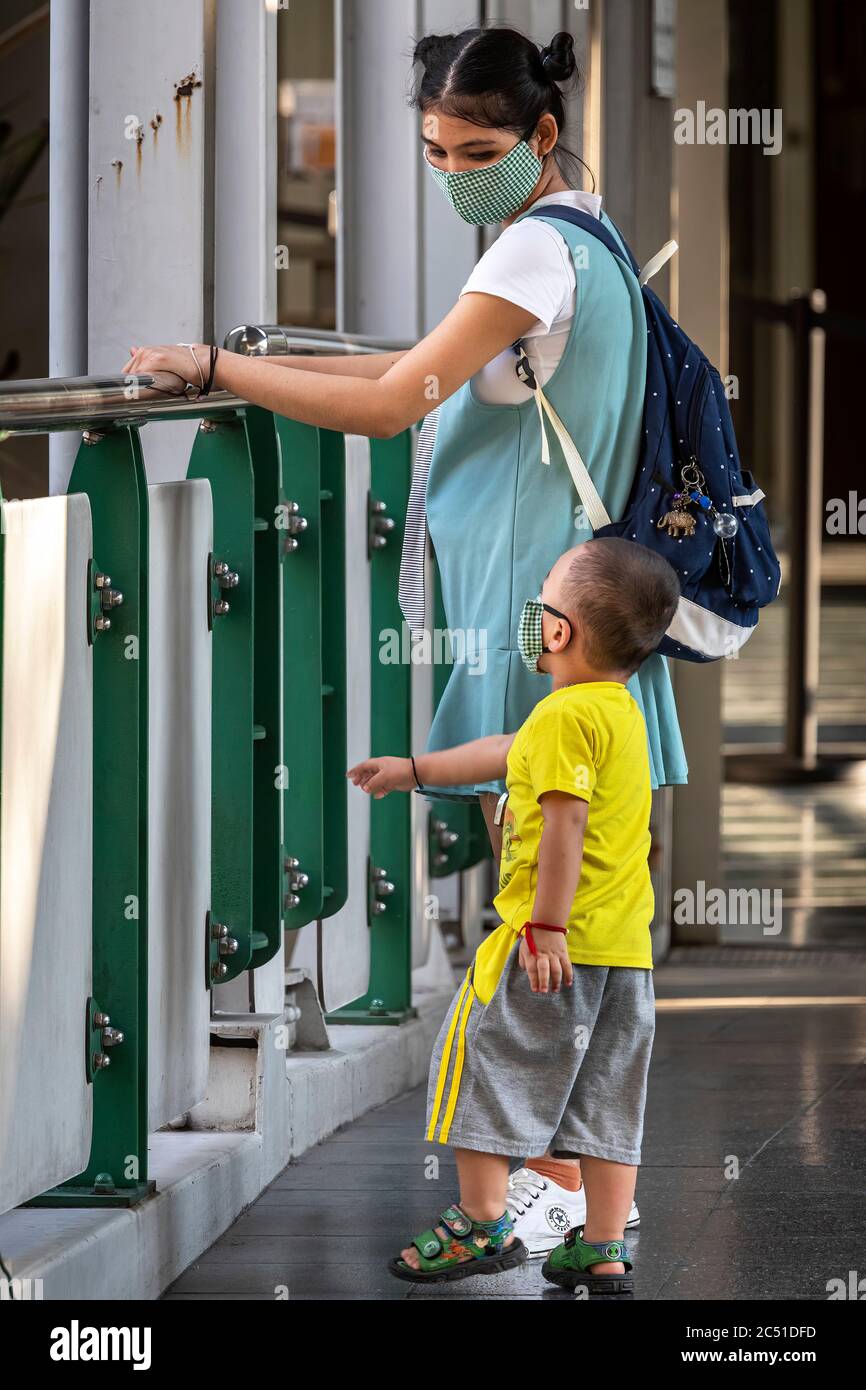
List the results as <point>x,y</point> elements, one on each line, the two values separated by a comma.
<point>498,517</point>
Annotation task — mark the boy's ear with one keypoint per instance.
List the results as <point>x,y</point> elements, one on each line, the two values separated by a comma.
<point>562,634</point>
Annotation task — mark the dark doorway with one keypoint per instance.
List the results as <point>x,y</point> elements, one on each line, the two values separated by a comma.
<point>840,227</point>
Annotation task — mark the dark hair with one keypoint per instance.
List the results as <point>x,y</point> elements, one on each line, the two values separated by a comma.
<point>623,597</point>
<point>499,78</point>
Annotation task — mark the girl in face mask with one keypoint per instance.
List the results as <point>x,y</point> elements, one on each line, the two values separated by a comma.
<point>498,512</point>
<point>489,483</point>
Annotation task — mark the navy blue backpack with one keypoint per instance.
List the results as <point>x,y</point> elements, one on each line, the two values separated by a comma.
<point>690,501</point>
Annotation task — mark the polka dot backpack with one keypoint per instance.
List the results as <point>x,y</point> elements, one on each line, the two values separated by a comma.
<point>690,500</point>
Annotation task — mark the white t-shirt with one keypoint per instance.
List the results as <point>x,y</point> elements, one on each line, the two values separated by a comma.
<point>530,264</point>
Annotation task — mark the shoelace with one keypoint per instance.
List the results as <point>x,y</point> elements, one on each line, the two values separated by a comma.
<point>524,1188</point>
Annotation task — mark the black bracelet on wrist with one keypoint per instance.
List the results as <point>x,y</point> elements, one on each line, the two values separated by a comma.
<point>209,383</point>
<point>415,774</point>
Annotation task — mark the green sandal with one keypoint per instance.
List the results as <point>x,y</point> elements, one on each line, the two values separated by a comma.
<point>444,1260</point>
<point>568,1264</point>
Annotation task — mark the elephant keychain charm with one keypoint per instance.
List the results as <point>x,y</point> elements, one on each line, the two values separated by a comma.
<point>678,522</point>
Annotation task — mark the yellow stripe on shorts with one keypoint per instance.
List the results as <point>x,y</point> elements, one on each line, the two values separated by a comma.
<point>458,1068</point>
<point>446,1057</point>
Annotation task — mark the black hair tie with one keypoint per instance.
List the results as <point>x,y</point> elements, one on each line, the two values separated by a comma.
<point>206,389</point>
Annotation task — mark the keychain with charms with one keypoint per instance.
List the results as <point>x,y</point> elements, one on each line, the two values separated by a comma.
<point>678,522</point>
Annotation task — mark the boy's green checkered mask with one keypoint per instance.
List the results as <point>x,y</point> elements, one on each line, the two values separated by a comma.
<point>484,196</point>
<point>530,638</point>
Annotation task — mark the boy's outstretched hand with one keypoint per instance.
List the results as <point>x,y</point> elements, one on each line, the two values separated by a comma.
<point>379,776</point>
<point>551,966</point>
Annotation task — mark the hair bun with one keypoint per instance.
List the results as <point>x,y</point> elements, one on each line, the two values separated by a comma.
<point>428,49</point>
<point>558,58</point>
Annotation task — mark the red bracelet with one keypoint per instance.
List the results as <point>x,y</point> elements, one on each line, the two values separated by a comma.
<point>542,926</point>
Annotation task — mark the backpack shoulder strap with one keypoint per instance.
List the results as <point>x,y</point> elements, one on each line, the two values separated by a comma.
<point>594,226</point>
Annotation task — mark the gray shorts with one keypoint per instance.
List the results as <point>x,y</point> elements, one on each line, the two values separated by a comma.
<point>527,1073</point>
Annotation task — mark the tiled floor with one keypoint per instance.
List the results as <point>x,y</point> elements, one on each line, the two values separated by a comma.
<point>807,842</point>
<point>753,1067</point>
<point>754,685</point>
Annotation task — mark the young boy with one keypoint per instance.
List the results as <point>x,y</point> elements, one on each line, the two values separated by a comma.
<point>547,1043</point>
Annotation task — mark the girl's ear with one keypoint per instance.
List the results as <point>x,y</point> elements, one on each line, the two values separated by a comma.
<point>547,132</point>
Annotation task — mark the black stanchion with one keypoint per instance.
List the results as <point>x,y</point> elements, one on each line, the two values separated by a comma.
<point>801,762</point>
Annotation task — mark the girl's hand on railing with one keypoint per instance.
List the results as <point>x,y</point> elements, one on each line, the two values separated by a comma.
<point>379,776</point>
<point>171,357</point>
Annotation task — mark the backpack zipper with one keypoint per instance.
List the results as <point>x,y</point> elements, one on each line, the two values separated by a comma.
<point>695,409</point>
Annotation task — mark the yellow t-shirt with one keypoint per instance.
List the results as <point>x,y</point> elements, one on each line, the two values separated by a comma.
<point>589,740</point>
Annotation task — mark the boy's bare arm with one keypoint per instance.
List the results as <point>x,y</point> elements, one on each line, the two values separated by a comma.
<point>560,855</point>
<point>482,760</point>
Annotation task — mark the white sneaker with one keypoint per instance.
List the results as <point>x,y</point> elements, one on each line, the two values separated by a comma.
<point>543,1212</point>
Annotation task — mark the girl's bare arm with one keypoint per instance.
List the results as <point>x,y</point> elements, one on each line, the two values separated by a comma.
<point>356,400</point>
<point>365,364</point>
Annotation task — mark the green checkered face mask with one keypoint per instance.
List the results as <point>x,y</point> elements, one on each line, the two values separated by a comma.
<point>530,639</point>
<point>484,196</point>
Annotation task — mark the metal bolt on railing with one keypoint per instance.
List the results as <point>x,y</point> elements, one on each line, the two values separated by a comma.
<point>297,526</point>
<point>381,525</point>
<point>297,880</point>
<point>225,577</point>
<point>444,837</point>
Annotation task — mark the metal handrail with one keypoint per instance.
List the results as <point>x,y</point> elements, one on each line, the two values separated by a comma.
<point>270,340</point>
<point>83,402</point>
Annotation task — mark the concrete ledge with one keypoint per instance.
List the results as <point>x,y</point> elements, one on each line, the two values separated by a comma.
<point>366,1067</point>
<point>206,1176</point>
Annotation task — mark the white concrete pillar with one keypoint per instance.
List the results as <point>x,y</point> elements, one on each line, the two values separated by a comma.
<point>700,300</point>
<point>67,213</point>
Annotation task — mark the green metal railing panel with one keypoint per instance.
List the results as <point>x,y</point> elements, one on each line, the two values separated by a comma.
<point>457,834</point>
<point>389,896</point>
<point>299,537</point>
<point>110,470</point>
<point>221,454</point>
<point>268,760</point>
<point>335,868</point>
